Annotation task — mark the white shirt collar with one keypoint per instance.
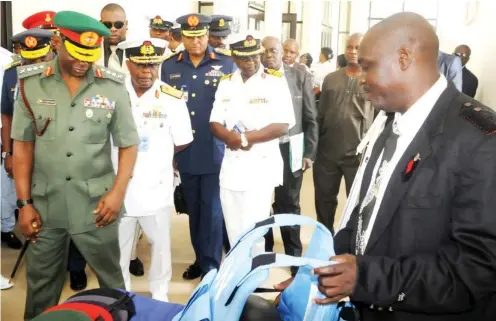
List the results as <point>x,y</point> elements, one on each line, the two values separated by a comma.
<point>132,91</point>
<point>415,116</point>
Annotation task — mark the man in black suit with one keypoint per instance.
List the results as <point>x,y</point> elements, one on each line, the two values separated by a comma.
<point>420,243</point>
<point>470,81</point>
<point>287,196</point>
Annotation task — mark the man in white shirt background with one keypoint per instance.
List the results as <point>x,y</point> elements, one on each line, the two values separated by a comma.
<point>321,69</point>
<point>252,109</point>
<point>164,128</point>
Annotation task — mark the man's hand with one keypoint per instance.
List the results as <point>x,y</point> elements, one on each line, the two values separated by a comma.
<point>307,163</point>
<point>108,208</point>
<point>30,222</point>
<point>281,287</point>
<point>234,141</point>
<point>8,164</point>
<point>337,281</point>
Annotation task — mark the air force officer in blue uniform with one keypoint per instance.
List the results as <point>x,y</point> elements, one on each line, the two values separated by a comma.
<point>197,71</point>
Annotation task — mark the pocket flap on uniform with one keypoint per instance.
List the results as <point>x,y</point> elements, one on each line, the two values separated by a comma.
<point>42,112</point>
<point>39,188</point>
<point>100,185</point>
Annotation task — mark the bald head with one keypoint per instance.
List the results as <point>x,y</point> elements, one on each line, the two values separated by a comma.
<point>352,47</point>
<point>291,49</point>
<point>113,17</point>
<point>399,61</point>
<point>272,56</point>
<point>113,7</point>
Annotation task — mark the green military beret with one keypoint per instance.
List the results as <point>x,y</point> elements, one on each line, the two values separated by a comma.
<point>83,35</point>
<point>79,23</point>
<point>63,315</point>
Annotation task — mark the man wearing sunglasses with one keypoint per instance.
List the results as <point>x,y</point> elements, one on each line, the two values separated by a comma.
<point>114,18</point>
<point>470,81</point>
<point>197,71</point>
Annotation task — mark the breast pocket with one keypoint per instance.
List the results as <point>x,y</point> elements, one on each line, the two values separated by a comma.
<point>96,125</point>
<point>45,121</point>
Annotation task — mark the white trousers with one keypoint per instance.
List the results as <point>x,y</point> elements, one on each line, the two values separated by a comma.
<point>243,209</point>
<point>157,231</point>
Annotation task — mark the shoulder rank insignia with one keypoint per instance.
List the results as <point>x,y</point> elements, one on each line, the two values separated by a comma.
<point>274,72</point>
<point>13,64</point>
<point>481,116</point>
<point>222,51</point>
<point>171,55</point>
<point>226,77</point>
<point>31,70</point>
<point>102,72</point>
<point>166,89</point>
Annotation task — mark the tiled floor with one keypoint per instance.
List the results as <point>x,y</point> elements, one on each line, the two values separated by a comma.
<point>12,300</point>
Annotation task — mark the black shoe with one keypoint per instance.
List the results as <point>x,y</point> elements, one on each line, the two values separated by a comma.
<point>192,272</point>
<point>136,267</point>
<point>11,239</point>
<point>78,281</point>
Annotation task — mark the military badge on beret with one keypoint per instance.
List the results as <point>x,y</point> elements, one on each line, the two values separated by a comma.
<point>193,21</point>
<point>30,42</point>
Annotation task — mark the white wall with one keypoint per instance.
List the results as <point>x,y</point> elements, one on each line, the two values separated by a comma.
<point>138,12</point>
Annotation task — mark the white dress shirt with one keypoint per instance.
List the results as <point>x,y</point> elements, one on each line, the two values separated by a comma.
<point>260,101</point>
<point>320,71</point>
<point>162,122</point>
<point>406,126</point>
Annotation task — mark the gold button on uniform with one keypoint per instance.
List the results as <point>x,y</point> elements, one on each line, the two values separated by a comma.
<point>194,76</point>
<point>193,95</point>
<point>192,113</point>
<point>194,131</point>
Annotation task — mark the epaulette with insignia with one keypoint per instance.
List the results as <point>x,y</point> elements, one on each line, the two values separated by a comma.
<point>102,72</point>
<point>274,72</point>
<point>481,116</point>
<point>31,70</point>
<point>166,89</point>
<point>12,65</point>
<point>172,55</point>
<point>226,77</point>
<point>222,51</point>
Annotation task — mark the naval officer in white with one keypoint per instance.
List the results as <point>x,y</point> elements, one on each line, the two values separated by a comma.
<point>252,109</point>
<point>164,128</point>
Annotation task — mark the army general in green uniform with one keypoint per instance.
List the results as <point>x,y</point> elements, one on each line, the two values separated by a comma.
<point>64,114</point>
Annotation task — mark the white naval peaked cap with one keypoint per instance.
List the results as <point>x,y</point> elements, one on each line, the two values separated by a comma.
<point>136,43</point>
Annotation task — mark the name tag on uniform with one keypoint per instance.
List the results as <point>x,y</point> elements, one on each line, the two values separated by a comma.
<point>144,143</point>
<point>48,102</point>
<point>99,101</point>
<point>175,76</point>
<point>261,100</point>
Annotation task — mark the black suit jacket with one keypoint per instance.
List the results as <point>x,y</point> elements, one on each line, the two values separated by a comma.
<point>470,83</point>
<point>432,252</point>
<point>300,86</point>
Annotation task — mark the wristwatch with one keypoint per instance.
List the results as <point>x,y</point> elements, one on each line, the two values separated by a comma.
<point>5,154</point>
<point>244,141</point>
<point>21,203</point>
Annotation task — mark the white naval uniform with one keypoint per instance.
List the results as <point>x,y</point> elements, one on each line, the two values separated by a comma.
<point>162,122</point>
<point>247,178</point>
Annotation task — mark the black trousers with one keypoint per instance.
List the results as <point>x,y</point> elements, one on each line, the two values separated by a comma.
<point>76,261</point>
<point>327,177</point>
<point>287,201</point>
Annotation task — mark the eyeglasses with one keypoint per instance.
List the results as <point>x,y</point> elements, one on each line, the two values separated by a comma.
<point>461,55</point>
<point>116,25</point>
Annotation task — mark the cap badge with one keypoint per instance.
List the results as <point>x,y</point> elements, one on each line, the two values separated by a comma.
<point>193,21</point>
<point>30,42</point>
<point>158,20</point>
<point>88,39</point>
<point>48,18</point>
<point>249,42</point>
<point>222,23</point>
<point>147,48</point>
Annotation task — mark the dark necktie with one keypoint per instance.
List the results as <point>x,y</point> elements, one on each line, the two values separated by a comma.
<point>386,143</point>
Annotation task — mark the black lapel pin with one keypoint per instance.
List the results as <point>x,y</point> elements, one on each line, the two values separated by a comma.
<point>410,167</point>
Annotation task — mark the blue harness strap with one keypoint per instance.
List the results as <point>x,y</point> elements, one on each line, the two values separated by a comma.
<point>222,295</point>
